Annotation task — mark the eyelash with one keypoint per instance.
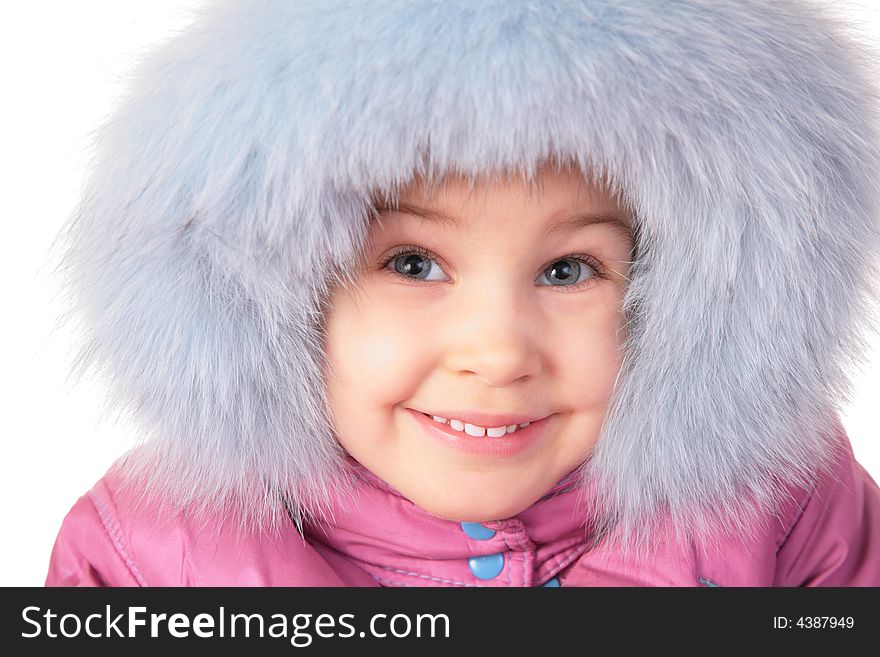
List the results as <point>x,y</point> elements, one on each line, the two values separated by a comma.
<point>587,260</point>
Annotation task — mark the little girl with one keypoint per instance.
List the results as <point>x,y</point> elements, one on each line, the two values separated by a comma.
<point>508,293</point>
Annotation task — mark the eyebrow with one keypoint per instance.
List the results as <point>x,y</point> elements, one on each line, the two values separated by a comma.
<point>569,223</point>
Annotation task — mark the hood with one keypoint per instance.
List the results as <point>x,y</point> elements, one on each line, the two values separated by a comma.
<point>245,154</point>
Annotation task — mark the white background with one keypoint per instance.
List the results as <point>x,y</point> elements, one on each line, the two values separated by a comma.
<point>62,63</point>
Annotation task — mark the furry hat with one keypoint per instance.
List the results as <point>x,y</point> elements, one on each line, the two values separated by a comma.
<point>242,163</point>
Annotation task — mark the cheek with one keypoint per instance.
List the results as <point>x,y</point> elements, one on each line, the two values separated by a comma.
<point>374,354</point>
<point>592,359</point>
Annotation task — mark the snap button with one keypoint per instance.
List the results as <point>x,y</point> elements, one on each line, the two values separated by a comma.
<point>552,582</point>
<point>488,566</point>
<point>477,531</point>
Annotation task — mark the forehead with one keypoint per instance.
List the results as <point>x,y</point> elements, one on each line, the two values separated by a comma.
<point>560,200</point>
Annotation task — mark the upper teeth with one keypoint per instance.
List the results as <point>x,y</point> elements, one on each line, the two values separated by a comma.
<point>474,430</point>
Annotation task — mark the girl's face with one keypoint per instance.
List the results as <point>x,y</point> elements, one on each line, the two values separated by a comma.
<point>492,301</point>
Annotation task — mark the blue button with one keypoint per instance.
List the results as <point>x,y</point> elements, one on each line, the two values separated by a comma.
<point>553,582</point>
<point>477,531</point>
<point>487,567</point>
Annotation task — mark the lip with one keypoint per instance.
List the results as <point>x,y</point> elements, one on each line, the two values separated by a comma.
<point>485,419</point>
<point>508,445</point>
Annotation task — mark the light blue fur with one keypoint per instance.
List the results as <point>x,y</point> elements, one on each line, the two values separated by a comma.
<point>232,184</point>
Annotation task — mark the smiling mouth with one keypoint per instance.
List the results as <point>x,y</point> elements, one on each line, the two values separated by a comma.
<point>477,431</point>
<point>475,441</point>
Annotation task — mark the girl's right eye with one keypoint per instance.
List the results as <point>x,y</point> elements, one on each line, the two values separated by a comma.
<point>413,262</point>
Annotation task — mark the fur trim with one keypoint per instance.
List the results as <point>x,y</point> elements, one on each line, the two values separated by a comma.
<point>742,133</point>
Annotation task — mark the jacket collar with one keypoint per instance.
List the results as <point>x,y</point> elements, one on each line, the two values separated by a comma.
<point>400,544</point>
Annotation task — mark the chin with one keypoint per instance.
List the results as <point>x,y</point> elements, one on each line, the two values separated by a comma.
<point>468,512</point>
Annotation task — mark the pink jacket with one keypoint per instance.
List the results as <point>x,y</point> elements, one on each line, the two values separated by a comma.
<point>827,537</point>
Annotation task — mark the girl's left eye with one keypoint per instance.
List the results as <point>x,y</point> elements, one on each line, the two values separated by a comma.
<point>416,263</point>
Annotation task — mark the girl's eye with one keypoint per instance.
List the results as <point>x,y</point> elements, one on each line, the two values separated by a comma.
<point>417,263</point>
<point>413,261</point>
<point>572,271</point>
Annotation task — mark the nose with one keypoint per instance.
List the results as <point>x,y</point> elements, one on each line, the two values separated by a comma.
<point>496,338</point>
